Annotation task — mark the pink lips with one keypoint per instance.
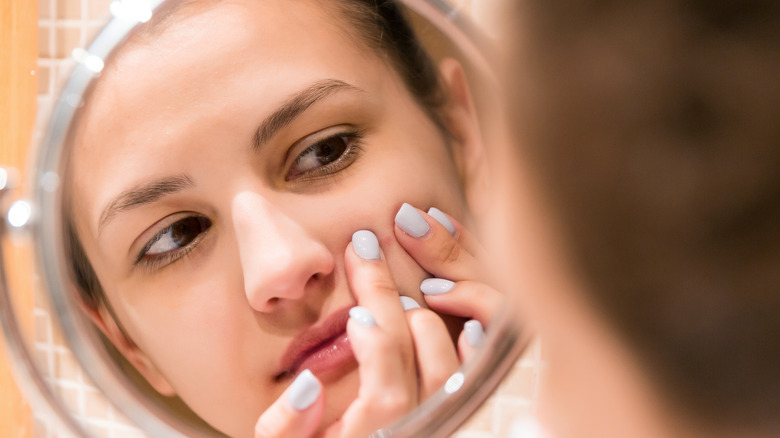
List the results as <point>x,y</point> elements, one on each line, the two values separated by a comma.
<point>322,349</point>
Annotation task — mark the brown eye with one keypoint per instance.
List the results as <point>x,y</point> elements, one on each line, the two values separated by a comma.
<point>177,235</point>
<point>320,154</point>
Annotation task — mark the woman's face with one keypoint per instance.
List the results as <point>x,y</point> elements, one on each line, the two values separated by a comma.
<point>219,174</point>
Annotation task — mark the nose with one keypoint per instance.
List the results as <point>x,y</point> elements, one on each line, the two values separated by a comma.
<point>280,261</point>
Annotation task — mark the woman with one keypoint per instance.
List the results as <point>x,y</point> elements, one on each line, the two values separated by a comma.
<point>235,207</point>
<point>651,132</point>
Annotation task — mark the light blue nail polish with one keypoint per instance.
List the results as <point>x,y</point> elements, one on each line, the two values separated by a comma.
<point>436,286</point>
<point>362,316</point>
<point>409,220</point>
<point>409,303</point>
<point>442,219</point>
<point>304,391</point>
<point>366,245</point>
<point>474,332</point>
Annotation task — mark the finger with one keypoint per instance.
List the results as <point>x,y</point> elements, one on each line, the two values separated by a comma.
<point>460,233</point>
<point>297,413</point>
<point>430,243</point>
<point>467,299</point>
<point>470,339</point>
<point>373,286</point>
<point>385,392</point>
<point>381,366</point>
<point>434,351</point>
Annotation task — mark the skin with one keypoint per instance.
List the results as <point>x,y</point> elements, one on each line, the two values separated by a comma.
<point>211,325</point>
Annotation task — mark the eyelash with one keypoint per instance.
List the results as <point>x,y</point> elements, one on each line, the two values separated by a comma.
<point>354,148</point>
<point>168,257</point>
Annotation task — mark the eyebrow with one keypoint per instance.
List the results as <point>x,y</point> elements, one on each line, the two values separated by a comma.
<point>143,195</point>
<point>295,106</point>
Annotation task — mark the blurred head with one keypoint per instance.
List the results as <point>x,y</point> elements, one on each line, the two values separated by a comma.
<point>649,137</point>
<point>218,175</point>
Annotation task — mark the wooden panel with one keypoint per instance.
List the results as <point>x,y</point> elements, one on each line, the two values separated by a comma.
<point>18,89</point>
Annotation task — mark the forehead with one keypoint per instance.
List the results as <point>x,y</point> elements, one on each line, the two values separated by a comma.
<point>200,69</point>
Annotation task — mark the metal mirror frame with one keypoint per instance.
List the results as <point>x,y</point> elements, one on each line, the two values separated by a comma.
<point>438,416</point>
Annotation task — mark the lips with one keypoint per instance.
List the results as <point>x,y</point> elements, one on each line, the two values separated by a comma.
<point>322,349</point>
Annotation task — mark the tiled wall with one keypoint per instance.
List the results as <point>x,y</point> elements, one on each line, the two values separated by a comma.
<point>66,24</point>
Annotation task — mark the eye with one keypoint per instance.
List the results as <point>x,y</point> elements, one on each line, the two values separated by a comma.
<point>326,156</point>
<point>174,240</point>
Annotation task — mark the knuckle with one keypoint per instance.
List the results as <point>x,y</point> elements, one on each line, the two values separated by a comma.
<point>448,251</point>
<point>263,430</point>
<point>383,285</point>
<point>392,403</point>
<point>425,318</point>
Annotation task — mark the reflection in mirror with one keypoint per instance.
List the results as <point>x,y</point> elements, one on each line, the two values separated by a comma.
<point>251,186</point>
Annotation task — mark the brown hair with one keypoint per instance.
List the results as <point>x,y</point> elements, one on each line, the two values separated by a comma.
<point>655,127</point>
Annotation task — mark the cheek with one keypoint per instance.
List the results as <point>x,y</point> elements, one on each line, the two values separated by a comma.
<point>202,318</point>
<point>373,201</point>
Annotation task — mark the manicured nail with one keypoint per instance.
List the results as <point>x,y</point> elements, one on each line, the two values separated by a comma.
<point>474,332</point>
<point>409,219</point>
<point>304,391</point>
<point>362,316</point>
<point>366,245</point>
<point>442,219</point>
<point>436,286</point>
<point>409,303</point>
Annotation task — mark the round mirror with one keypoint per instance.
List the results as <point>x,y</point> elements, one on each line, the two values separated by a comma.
<point>254,216</point>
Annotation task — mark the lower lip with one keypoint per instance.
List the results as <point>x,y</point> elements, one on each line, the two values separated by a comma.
<point>329,358</point>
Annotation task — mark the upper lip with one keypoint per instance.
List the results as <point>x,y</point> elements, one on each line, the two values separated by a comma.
<point>311,339</point>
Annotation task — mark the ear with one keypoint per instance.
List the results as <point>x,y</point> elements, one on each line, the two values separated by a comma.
<point>460,118</point>
<point>106,323</point>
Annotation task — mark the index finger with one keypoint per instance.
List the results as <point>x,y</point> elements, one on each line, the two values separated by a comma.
<point>433,247</point>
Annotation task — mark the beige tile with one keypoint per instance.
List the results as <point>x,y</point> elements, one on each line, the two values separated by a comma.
<point>69,10</point>
<point>95,405</point>
<point>67,367</point>
<point>41,321</point>
<point>507,411</point>
<point>44,48</point>
<point>44,81</point>
<point>70,397</point>
<point>42,361</point>
<point>98,8</point>
<point>481,420</point>
<point>520,382</point>
<point>44,9</point>
<point>67,40</point>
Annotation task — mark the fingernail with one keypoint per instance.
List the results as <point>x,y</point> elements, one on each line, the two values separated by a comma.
<point>474,332</point>
<point>436,286</point>
<point>409,219</point>
<point>366,245</point>
<point>409,303</point>
<point>362,316</point>
<point>442,219</point>
<point>304,391</point>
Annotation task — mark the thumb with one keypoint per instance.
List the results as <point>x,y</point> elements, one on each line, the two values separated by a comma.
<point>297,413</point>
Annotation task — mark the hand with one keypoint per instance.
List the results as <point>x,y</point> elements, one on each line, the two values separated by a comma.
<point>399,364</point>
<point>402,356</point>
<point>446,250</point>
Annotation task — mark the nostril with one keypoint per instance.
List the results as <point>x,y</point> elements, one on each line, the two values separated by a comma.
<point>272,301</point>
<point>313,279</point>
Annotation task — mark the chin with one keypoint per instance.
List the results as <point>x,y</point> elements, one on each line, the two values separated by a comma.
<point>339,394</point>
